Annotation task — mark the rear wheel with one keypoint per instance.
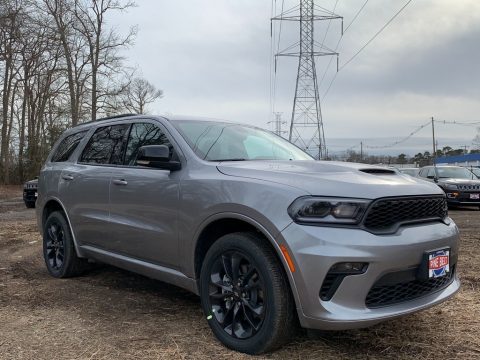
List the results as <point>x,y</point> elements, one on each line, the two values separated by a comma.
<point>58,248</point>
<point>245,294</point>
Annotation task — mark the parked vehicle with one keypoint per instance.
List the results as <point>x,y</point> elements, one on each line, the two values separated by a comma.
<point>461,186</point>
<point>262,232</point>
<point>409,171</point>
<point>30,193</point>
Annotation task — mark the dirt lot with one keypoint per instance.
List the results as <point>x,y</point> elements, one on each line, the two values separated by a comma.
<point>112,314</point>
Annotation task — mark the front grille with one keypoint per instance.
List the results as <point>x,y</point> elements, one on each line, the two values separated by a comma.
<point>385,215</point>
<point>468,187</point>
<point>384,295</point>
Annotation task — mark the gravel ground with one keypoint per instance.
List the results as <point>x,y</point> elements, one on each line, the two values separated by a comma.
<point>110,313</point>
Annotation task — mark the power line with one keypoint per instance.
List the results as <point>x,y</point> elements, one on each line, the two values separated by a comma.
<point>355,17</point>
<point>365,45</point>
<point>474,123</point>
<point>401,140</point>
<point>418,129</point>
<point>375,36</point>
<point>329,23</point>
<point>340,39</point>
<point>273,71</point>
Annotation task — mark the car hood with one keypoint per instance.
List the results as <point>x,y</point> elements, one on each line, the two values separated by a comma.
<point>459,181</point>
<point>328,178</point>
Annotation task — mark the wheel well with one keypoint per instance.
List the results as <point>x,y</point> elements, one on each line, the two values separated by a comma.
<point>50,207</point>
<point>217,229</point>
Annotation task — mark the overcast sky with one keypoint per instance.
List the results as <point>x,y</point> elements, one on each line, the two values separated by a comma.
<point>213,58</point>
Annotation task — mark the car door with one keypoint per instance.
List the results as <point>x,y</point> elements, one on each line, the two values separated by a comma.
<point>84,185</point>
<point>144,202</point>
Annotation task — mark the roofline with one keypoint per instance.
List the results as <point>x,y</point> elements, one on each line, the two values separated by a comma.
<point>106,118</point>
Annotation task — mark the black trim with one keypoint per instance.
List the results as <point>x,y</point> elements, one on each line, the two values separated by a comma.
<point>402,286</point>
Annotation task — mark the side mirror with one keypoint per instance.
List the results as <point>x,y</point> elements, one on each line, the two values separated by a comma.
<point>156,156</point>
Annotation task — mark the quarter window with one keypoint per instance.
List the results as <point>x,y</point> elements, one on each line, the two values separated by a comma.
<point>106,145</point>
<point>141,135</point>
<point>68,145</point>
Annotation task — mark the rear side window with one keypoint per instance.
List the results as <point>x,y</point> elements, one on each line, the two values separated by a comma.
<point>141,135</point>
<point>68,145</point>
<point>106,146</point>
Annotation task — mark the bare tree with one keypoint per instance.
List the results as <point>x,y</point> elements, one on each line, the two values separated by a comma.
<point>103,45</point>
<point>9,33</point>
<point>59,65</point>
<point>138,95</point>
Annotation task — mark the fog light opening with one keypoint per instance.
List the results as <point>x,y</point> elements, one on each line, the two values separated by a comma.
<point>349,268</point>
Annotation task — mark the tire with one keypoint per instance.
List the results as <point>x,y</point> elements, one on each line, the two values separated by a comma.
<point>260,308</point>
<point>58,249</point>
<point>30,204</point>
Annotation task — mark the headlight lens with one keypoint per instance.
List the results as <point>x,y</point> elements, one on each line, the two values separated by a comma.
<point>317,210</point>
<point>451,186</point>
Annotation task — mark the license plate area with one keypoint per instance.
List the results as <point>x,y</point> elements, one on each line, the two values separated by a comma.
<point>435,264</point>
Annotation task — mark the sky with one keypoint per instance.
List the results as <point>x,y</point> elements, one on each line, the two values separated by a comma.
<point>214,58</point>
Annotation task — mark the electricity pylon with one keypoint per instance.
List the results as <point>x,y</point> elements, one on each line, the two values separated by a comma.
<point>277,124</point>
<point>306,127</point>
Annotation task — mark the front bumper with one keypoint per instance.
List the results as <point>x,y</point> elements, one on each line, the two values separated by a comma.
<point>29,195</point>
<point>459,197</point>
<point>316,249</point>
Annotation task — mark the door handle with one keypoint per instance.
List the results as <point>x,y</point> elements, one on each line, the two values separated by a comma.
<point>67,177</point>
<point>120,182</point>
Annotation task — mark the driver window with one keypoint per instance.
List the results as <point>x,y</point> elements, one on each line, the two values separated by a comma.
<point>141,135</point>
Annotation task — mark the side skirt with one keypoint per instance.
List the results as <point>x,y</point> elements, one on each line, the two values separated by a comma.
<point>150,270</point>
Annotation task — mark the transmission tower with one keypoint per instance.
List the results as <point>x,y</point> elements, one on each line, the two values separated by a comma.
<point>306,127</point>
<point>277,124</point>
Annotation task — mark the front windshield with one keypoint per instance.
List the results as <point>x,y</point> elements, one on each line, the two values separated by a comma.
<point>455,173</point>
<point>217,141</point>
<point>476,171</point>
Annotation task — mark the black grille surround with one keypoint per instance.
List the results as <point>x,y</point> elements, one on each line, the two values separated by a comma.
<point>386,215</point>
<point>469,187</point>
<point>382,294</point>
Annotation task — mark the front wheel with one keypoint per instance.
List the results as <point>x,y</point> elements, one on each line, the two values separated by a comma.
<point>245,294</point>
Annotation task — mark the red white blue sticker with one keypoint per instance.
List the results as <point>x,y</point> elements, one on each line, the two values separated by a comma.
<point>438,263</point>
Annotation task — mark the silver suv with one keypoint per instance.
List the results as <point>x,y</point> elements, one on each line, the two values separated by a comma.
<point>264,234</point>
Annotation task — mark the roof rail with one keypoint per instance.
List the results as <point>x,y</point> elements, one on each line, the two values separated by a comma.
<point>107,118</point>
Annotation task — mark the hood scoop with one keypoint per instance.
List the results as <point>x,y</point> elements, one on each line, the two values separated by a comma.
<point>376,171</point>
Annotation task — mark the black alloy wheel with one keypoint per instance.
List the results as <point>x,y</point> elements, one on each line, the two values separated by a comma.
<point>237,295</point>
<point>54,243</point>
<point>245,294</point>
<point>59,250</point>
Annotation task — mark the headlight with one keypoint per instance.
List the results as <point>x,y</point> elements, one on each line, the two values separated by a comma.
<point>451,186</point>
<point>319,210</point>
